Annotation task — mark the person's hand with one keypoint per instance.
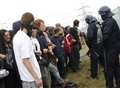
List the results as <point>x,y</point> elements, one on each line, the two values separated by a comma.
<point>45,50</point>
<point>45,34</point>
<point>62,46</point>
<point>39,83</point>
<point>2,56</point>
<point>73,40</point>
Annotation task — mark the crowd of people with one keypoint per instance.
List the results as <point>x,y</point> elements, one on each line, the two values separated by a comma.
<point>33,55</point>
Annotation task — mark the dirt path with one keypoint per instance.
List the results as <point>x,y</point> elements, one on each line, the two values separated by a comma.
<point>80,77</point>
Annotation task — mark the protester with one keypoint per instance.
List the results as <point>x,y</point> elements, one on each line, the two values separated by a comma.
<point>7,61</point>
<point>42,62</point>
<point>111,43</point>
<point>68,48</point>
<point>57,40</point>
<point>76,46</point>
<point>35,43</point>
<point>24,55</point>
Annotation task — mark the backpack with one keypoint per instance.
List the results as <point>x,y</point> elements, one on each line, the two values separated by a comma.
<point>67,43</point>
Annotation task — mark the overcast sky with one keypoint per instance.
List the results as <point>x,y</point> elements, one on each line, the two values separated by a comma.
<point>51,11</point>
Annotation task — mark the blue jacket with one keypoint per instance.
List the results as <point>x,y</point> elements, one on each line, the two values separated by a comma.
<point>42,40</point>
<point>58,50</point>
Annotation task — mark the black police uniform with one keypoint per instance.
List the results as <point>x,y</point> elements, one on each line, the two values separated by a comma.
<point>92,44</point>
<point>111,44</point>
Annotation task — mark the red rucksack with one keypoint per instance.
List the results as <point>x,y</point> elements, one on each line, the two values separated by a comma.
<point>67,43</point>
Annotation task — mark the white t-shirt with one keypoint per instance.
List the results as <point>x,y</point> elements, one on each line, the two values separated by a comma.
<point>22,46</point>
<point>36,45</point>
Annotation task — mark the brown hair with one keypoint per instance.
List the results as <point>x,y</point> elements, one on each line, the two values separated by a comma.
<point>76,22</point>
<point>38,22</point>
<point>27,18</point>
<point>56,30</point>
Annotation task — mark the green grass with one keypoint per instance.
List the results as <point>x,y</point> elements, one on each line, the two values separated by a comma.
<point>81,79</point>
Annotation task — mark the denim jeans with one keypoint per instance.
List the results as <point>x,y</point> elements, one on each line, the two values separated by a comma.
<point>54,71</point>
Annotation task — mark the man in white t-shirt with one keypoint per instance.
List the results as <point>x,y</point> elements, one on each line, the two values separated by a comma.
<point>28,66</point>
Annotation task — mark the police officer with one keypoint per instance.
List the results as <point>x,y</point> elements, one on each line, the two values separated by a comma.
<point>91,41</point>
<point>110,31</point>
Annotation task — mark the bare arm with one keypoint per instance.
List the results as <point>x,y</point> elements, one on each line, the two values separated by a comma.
<point>29,67</point>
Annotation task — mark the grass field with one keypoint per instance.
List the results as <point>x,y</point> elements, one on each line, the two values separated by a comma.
<point>80,77</point>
